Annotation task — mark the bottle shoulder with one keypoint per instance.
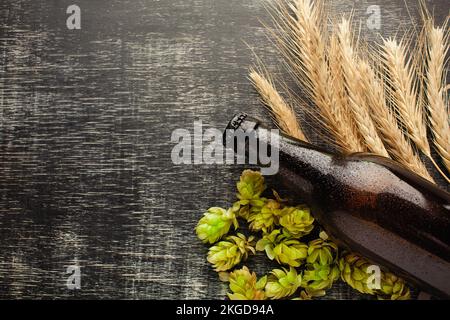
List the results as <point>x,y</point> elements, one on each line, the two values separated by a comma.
<point>401,172</point>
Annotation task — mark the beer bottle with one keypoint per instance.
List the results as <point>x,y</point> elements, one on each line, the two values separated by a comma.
<point>368,204</point>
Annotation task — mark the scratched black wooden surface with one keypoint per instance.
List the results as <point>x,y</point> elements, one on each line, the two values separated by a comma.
<point>86,117</point>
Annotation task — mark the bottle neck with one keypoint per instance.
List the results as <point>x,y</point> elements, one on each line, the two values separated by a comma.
<point>296,160</point>
<point>305,155</point>
<point>304,166</point>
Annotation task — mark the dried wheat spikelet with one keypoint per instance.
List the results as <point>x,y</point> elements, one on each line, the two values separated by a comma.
<point>353,83</point>
<point>338,90</point>
<point>363,109</point>
<point>302,43</point>
<point>394,139</point>
<point>402,92</point>
<point>283,114</point>
<point>437,103</point>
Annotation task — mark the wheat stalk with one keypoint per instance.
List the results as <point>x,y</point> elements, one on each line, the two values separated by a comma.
<point>284,114</point>
<point>402,92</point>
<point>303,45</point>
<point>394,139</point>
<point>437,43</point>
<point>356,94</point>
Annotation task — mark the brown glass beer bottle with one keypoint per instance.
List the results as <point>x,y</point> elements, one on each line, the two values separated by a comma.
<point>369,204</point>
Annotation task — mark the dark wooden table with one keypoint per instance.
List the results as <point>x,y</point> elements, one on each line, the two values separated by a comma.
<point>86,176</point>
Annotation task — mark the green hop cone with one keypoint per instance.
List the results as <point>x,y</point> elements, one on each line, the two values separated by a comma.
<point>322,252</point>
<point>290,252</point>
<point>393,288</point>
<point>230,252</point>
<point>264,218</point>
<point>215,223</point>
<point>319,277</point>
<point>297,221</point>
<point>283,249</point>
<point>244,285</point>
<point>282,283</point>
<point>250,185</point>
<point>354,272</point>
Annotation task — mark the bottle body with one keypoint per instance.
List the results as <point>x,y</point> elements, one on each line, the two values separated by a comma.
<point>365,186</point>
<point>371,205</point>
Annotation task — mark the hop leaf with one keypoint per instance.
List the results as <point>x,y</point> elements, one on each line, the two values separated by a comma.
<point>230,252</point>
<point>215,223</point>
<point>354,272</point>
<point>319,277</point>
<point>283,249</point>
<point>250,185</point>
<point>264,218</point>
<point>244,285</point>
<point>322,252</point>
<point>297,220</point>
<point>393,288</point>
<point>282,283</point>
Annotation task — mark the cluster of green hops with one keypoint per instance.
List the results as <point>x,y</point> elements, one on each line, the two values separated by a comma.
<point>279,230</point>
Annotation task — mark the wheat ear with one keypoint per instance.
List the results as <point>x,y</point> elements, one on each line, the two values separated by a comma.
<point>283,114</point>
<point>303,45</point>
<point>394,139</point>
<point>437,43</point>
<point>338,90</point>
<point>353,83</point>
<point>402,92</point>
